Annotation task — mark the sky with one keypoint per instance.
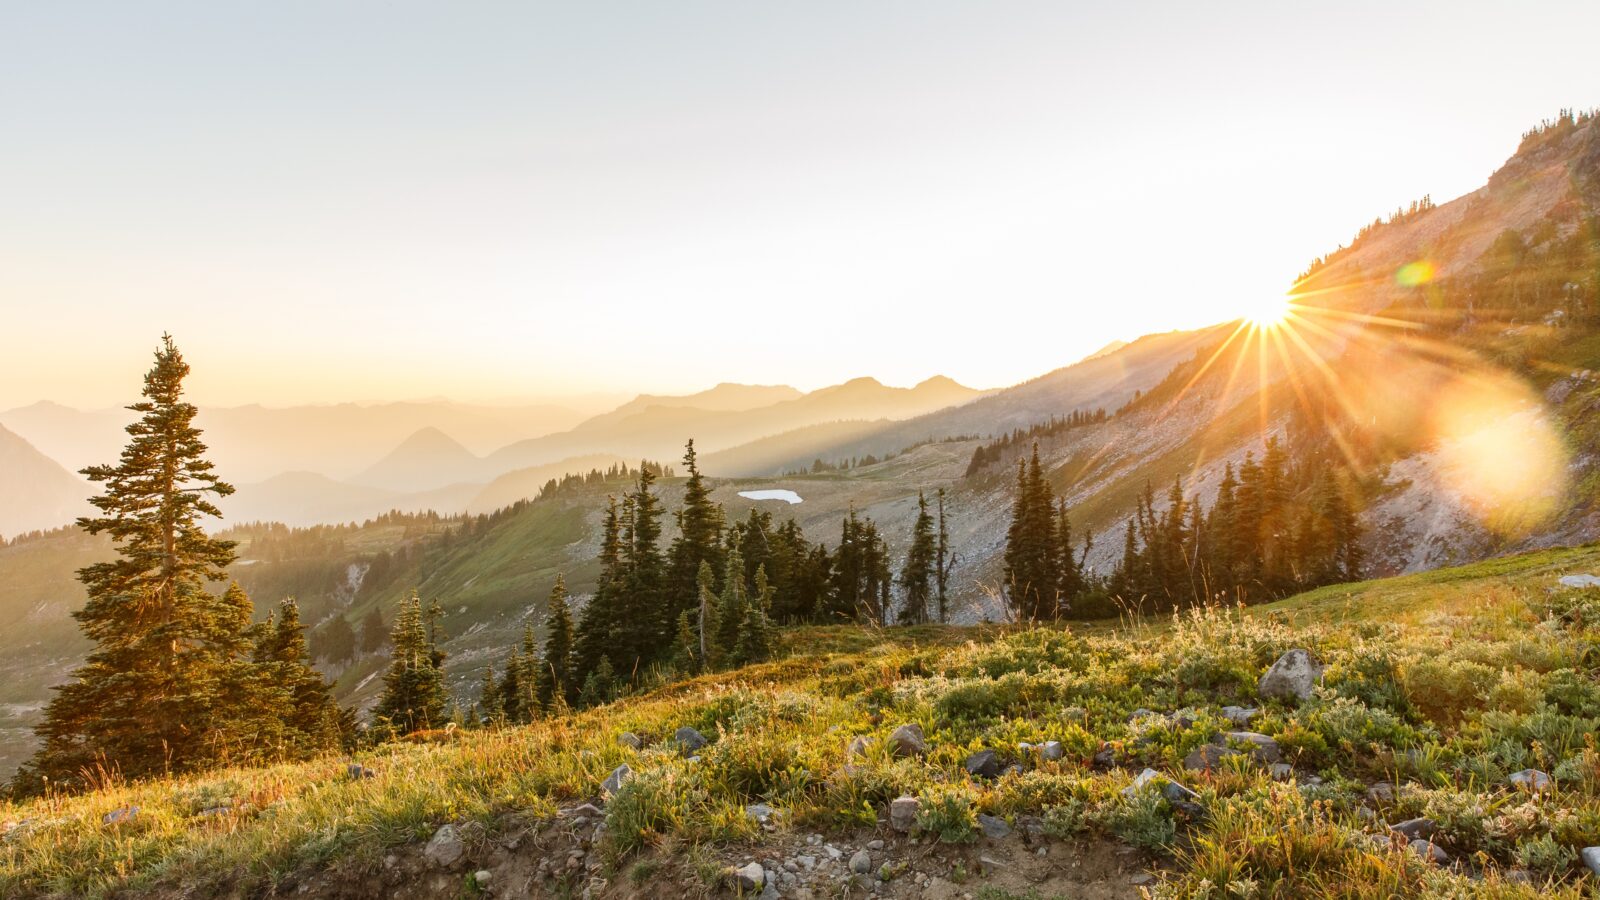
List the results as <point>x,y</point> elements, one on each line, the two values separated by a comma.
<point>328,201</point>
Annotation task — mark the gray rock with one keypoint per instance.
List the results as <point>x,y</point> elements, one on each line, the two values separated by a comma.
<point>1140,781</point>
<point>874,845</point>
<point>1030,825</point>
<point>689,740</point>
<point>1281,771</point>
<point>1177,793</point>
<point>482,877</point>
<point>1260,747</point>
<point>861,862</point>
<point>1415,829</point>
<point>903,813</point>
<point>983,764</point>
<point>1591,858</point>
<point>1531,780</point>
<point>1052,750</point>
<point>1579,581</point>
<point>858,746</point>
<point>445,848</point>
<point>761,812</point>
<point>1431,852</point>
<point>1240,716</point>
<point>629,739</point>
<point>1207,756</point>
<point>749,877</point>
<point>614,782</point>
<point>907,740</point>
<point>993,827</point>
<point>1105,758</point>
<point>1294,675</point>
<point>1381,793</point>
<point>356,772</point>
<point>120,815</point>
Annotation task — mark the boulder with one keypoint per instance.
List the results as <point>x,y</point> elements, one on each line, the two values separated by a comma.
<point>689,740</point>
<point>983,764</point>
<point>993,827</point>
<point>1431,852</point>
<point>1531,780</point>
<point>1281,771</point>
<point>1381,793</point>
<point>1051,750</point>
<point>445,848</point>
<point>1591,858</point>
<point>1260,747</point>
<point>861,862</point>
<point>1415,829</point>
<point>1207,756</point>
<point>749,878</point>
<point>1294,675</point>
<point>760,812</point>
<point>1240,716</point>
<point>858,746</point>
<point>907,740</point>
<point>630,740</point>
<point>903,813</point>
<point>614,782</point>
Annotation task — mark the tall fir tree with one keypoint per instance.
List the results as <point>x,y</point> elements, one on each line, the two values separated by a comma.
<point>309,716</point>
<point>942,566</point>
<point>700,527</point>
<point>413,687</point>
<point>166,657</point>
<point>918,573</point>
<point>593,641</point>
<point>555,687</point>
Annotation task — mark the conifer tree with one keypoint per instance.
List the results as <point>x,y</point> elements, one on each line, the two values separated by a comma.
<point>373,632</point>
<point>705,655</point>
<point>309,717</point>
<point>148,699</point>
<point>511,691</point>
<point>555,687</point>
<point>528,704</point>
<point>685,647</point>
<point>942,566</point>
<point>599,686</point>
<point>336,641</point>
<point>700,526</point>
<point>593,641</point>
<point>490,710</point>
<point>917,575</point>
<point>413,688</point>
<point>754,643</point>
<point>731,608</point>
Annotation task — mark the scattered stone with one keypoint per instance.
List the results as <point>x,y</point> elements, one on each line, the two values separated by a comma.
<point>1240,716</point>
<point>990,862</point>
<point>1193,811</point>
<point>1281,771</point>
<point>749,877</point>
<point>907,740</point>
<point>482,877</point>
<point>1591,858</point>
<point>1030,825</point>
<point>120,815</point>
<point>874,845</point>
<point>983,764</point>
<point>614,782</point>
<point>1531,780</point>
<point>445,848</point>
<point>1431,852</point>
<point>1051,750</point>
<point>1141,879</point>
<point>1381,793</point>
<point>689,740</point>
<point>1294,675</point>
<point>1579,581</point>
<point>1415,829</point>
<point>1206,757</point>
<point>629,739</point>
<point>994,828</point>
<point>903,813</point>
<point>1141,713</point>
<point>858,746</point>
<point>356,772</point>
<point>1177,793</point>
<point>1261,747</point>
<point>1518,876</point>
<point>861,862</point>
<point>1105,758</point>
<point>1139,781</point>
<point>761,812</point>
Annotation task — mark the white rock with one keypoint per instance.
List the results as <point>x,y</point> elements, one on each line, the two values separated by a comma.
<point>1295,675</point>
<point>445,848</point>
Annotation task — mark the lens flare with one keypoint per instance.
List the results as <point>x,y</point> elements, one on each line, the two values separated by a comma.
<point>1500,452</point>
<point>1268,312</point>
<point>1414,274</point>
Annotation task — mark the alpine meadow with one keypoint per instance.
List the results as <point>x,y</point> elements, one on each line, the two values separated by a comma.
<point>712,450</point>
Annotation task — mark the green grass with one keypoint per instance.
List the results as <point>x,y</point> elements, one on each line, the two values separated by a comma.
<point>1443,683</point>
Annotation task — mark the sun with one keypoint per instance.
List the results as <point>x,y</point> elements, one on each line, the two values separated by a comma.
<point>1268,312</point>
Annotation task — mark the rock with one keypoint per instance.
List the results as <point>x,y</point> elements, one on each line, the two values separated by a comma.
<point>861,862</point>
<point>1193,811</point>
<point>761,812</point>
<point>1294,675</point>
<point>1531,780</point>
<point>1281,771</point>
<point>1177,793</point>
<point>1051,750</point>
<point>903,813</point>
<point>689,740</point>
<point>1139,782</point>
<point>1260,747</point>
<point>983,764</point>
<point>630,740</point>
<point>1030,825</point>
<point>1591,858</point>
<point>1381,793</point>
<point>1579,581</point>
<point>907,740</point>
<point>1414,829</point>
<point>356,772</point>
<point>1240,716</point>
<point>1105,758</point>
<point>749,877</point>
<point>1206,757</point>
<point>1431,852</point>
<point>874,845</point>
<point>445,848</point>
<point>1141,713</point>
<point>120,815</point>
<point>858,746</point>
<point>482,877</point>
<point>584,811</point>
<point>770,892</point>
<point>614,782</point>
<point>994,828</point>
<point>1141,879</point>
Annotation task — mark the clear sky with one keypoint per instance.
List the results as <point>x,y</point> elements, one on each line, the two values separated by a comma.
<point>367,201</point>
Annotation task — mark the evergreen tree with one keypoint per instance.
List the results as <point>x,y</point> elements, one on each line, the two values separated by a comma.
<point>336,641</point>
<point>700,526</point>
<point>166,651</point>
<point>1032,553</point>
<point>310,718</point>
<point>598,687</point>
<point>917,575</point>
<point>705,655</point>
<point>942,565</point>
<point>731,608</point>
<point>555,687</point>
<point>528,704</point>
<point>413,688</point>
<point>373,632</point>
<point>593,642</point>
<point>490,710</point>
<point>511,690</point>
<point>685,647</point>
<point>754,643</point>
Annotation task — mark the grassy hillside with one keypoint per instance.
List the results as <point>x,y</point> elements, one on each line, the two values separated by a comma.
<point>1437,688</point>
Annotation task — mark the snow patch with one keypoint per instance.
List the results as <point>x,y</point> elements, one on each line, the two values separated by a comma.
<point>786,496</point>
